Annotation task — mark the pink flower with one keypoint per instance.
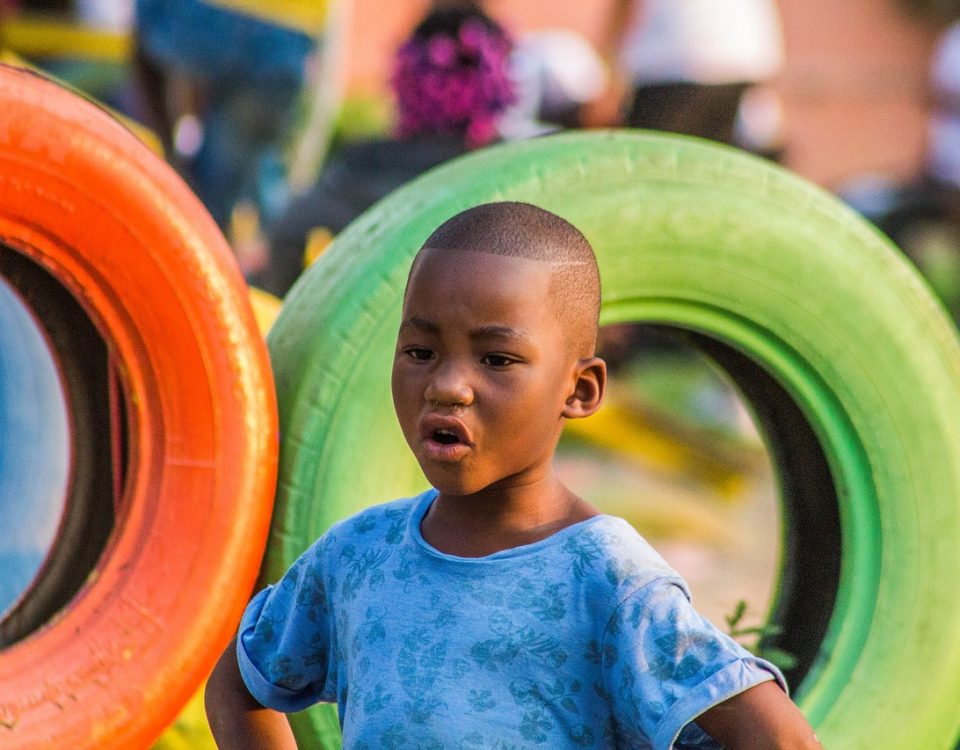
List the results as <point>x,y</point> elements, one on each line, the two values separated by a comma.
<point>453,84</point>
<point>473,35</point>
<point>480,133</point>
<point>442,51</point>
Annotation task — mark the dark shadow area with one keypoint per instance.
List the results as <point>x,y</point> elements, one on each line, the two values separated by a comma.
<point>812,534</point>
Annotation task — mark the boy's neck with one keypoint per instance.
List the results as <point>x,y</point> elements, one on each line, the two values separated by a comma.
<point>494,520</point>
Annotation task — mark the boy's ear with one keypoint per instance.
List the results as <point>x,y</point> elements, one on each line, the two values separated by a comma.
<point>591,384</point>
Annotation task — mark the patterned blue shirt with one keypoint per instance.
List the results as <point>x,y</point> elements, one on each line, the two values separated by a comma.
<point>585,639</point>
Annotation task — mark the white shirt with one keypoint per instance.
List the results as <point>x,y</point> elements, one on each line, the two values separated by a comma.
<point>704,41</point>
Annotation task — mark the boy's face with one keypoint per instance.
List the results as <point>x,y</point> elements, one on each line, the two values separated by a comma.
<point>482,370</point>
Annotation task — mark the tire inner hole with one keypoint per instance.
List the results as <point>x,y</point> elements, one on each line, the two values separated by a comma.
<point>90,499</point>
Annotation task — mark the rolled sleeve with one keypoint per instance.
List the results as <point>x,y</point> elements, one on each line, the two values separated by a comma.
<point>665,664</point>
<point>731,680</point>
<point>250,656</point>
<point>283,643</point>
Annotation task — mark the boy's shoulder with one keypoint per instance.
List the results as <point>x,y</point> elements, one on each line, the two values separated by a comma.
<point>610,554</point>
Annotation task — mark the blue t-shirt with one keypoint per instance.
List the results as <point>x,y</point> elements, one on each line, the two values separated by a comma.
<point>585,639</point>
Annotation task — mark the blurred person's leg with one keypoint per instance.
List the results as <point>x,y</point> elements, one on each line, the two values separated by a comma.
<point>151,106</point>
<point>707,111</point>
<point>250,71</point>
<point>182,47</point>
<point>240,155</point>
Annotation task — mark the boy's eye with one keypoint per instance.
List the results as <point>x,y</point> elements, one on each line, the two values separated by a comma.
<point>498,360</point>
<point>419,353</point>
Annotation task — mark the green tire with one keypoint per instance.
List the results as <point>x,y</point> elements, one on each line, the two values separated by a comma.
<point>844,354</point>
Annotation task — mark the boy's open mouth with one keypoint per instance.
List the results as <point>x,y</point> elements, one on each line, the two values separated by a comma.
<point>445,437</point>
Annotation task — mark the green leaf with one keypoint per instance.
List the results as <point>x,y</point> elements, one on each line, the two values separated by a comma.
<point>737,615</point>
<point>779,658</point>
<point>761,630</point>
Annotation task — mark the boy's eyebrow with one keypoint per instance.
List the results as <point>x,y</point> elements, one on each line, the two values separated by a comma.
<point>483,332</point>
<point>415,321</point>
<point>498,332</point>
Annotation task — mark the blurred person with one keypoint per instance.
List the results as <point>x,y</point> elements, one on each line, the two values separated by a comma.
<point>688,63</point>
<point>452,81</point>
<point>221,80</point>
<point>557,73</point>
<point>922,214</point>
<point>942,161</point>
<point>923,218</point>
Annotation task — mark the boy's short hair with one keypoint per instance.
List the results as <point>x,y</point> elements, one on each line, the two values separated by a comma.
<point>523,230</point>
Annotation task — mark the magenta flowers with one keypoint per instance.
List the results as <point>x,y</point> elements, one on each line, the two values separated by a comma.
<point>457,84</point>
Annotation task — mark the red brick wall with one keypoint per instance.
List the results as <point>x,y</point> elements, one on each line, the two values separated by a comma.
<point>854,87</point>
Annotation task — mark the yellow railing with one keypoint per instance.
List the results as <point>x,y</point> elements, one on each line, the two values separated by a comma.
<point>38,36</point>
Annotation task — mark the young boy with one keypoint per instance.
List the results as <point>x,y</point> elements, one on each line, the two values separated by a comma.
<point>498,609</point>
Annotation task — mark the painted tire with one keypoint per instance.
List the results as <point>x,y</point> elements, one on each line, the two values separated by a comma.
<point>848,361</point>
<point>190,729</point>
<point>93,220</point>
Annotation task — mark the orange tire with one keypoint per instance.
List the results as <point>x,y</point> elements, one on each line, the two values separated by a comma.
<point>84,201</point>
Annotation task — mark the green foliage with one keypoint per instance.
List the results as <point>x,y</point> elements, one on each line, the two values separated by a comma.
<point>363,116</point>
<point>776,656</point>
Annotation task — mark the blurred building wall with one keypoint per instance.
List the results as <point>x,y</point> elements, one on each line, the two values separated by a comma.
<point>853,89</point>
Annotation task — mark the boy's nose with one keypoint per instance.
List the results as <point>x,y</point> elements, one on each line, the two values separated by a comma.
<point>448,387</point>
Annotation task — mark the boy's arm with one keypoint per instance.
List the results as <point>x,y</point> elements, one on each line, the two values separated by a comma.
<point>236,719</point>
<point>759,718</point>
